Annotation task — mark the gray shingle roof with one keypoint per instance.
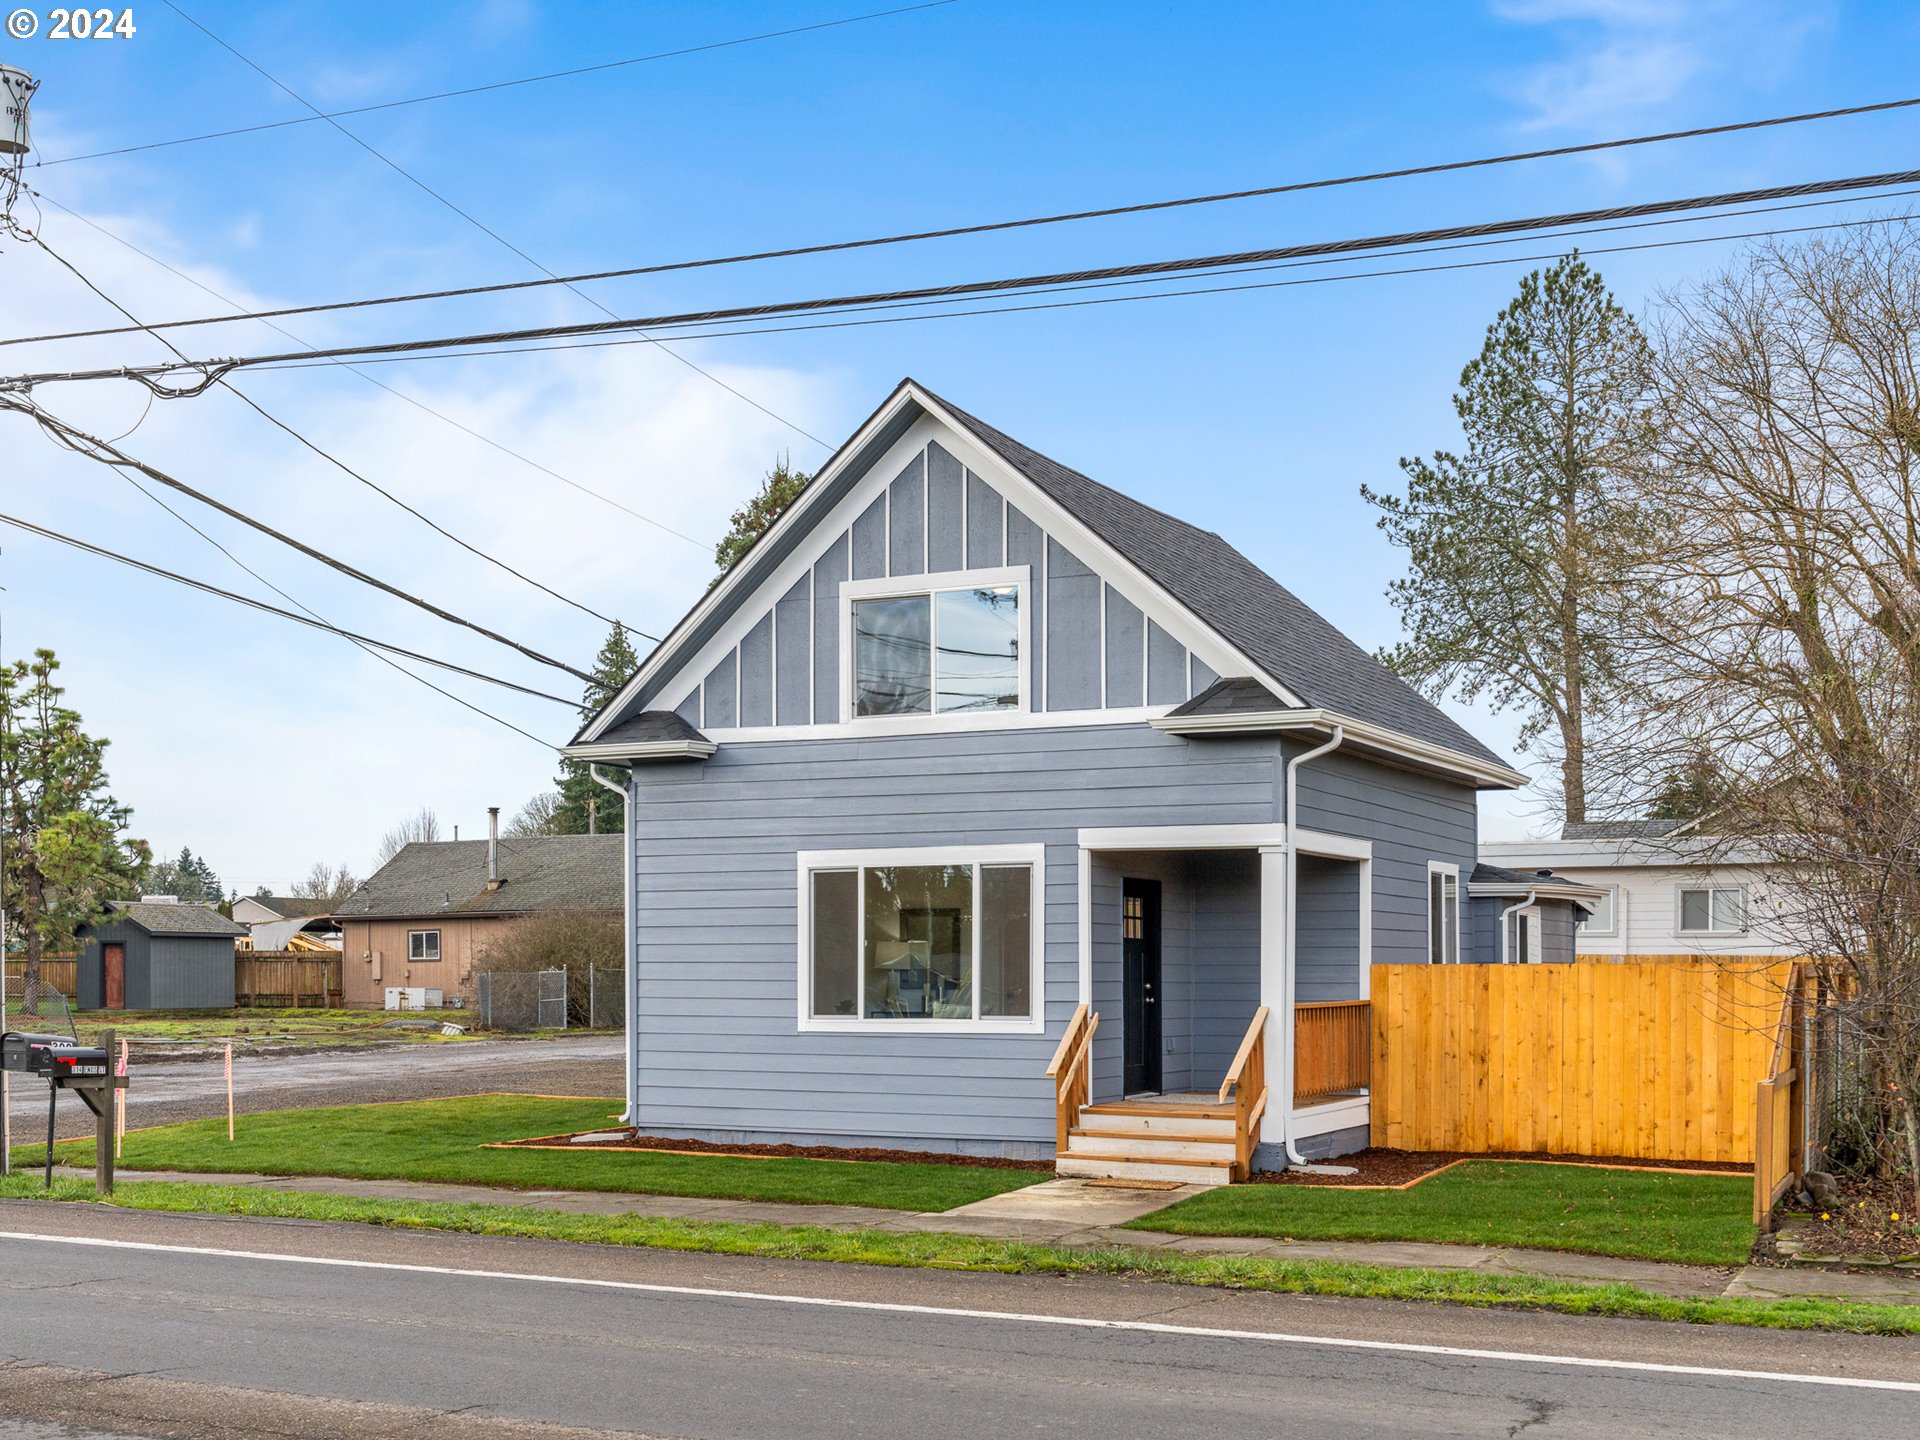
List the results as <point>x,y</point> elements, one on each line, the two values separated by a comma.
<point>449,877</point>
<point>1485,874</point>
<point>1237,696</point>
<point>1620,829</point>
<point>290,906</point>
<point>1249,608</point>
<point>179,919</point>
<point>649,726</point>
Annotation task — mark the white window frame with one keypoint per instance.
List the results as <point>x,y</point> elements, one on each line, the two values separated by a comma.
<point>438,951</point>
<point>1680,909</point>
<point>810,861</point>
<point>905,587</point>
<point>1510,920</point>
<point>1448,871</point>
<point>1594,932</point>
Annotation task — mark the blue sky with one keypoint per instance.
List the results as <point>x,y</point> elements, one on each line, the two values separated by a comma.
<point>1259,414</point>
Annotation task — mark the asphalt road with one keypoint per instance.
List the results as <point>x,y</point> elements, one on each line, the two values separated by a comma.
<point>206,1326</point>
<point>161,1094</point>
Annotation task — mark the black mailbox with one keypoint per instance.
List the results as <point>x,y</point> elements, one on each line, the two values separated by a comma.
<point>30,1053</point>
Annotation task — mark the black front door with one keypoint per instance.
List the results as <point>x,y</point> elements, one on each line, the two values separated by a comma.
<point>1140,947</point>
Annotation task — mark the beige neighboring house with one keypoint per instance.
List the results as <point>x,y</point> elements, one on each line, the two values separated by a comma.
<point>1669,891</point>
<point>420,919</point>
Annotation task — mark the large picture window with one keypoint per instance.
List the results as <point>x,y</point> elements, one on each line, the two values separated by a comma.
<point>939,651</point>
<point>912,940</point>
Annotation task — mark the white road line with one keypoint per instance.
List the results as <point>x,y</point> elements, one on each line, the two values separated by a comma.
<point>1149,1327</point>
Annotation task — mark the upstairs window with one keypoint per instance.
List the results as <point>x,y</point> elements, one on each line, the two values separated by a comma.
<point>944,651</point>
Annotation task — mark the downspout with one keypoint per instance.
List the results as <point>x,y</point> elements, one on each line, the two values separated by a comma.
<point>629,886</point>
<point>1288,990</point>
<point>1506,915</point>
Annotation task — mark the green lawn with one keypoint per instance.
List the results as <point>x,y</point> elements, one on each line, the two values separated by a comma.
<point>443,1139</point>
<point>1699,1219</point>
<point>965,1252</point>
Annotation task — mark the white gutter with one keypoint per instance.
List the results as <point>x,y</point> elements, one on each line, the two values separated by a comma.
<point>1361,732</point>
<point>1289,1025</point>
<point>1506,914</point>
<point>632,1117</point>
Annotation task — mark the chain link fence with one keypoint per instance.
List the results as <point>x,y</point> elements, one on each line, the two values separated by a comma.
<point>37,1006</point>
<point>606,997</point>
<point>1839,1114</point>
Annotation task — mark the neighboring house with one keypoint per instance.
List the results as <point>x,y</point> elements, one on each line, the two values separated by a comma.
<point>421,918</point>
<point>157,955</point>
<point>968,741</point>
<point>1666,889</point>
<point>288,922</point>
<point>1527,917</point>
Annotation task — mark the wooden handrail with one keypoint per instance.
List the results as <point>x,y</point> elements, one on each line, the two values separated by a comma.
<point>1255,1032</point>
<point>1066,1040</point>
<point>1071,1071</point>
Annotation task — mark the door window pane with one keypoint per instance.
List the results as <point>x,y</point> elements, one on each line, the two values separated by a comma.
<point>893,657</point>
<point>977,664</point>
<point>919,949</point>
<point>836,942</point>
<point>1006,940</point>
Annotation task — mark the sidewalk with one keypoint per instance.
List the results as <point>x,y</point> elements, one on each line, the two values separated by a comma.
<point>1076,1213</point>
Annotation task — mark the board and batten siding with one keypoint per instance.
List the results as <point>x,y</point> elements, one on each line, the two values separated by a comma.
<point>720,1052</point>
<point>1092,648</point>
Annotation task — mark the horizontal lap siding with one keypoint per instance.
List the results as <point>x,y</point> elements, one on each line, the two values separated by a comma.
<point>1226,958</point>
<point>1327,930</point>
<point>1410,819</point>
<point>719,1046</point>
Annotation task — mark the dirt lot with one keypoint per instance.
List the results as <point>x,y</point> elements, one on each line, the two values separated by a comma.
<point>164,1093</point>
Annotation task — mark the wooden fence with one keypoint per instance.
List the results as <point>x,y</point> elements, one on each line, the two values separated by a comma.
<point>1656,1061</point>
<point>58,972</point>
<point>285,979</point>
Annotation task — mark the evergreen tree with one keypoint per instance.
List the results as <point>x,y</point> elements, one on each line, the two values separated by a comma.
<point>66,853</point>
<point>585,805</point>
<point>1521,548</point>
<point>780,489</point>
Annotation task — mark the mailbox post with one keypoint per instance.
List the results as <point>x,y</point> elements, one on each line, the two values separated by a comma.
<point>66,1065</point>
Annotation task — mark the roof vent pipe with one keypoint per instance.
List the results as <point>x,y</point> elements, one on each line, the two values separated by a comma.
<point>493,847</point>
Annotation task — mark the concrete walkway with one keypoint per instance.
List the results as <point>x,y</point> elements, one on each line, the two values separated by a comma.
<point>1083,1213</point>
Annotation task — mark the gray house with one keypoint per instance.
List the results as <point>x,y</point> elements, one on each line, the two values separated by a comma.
<point>970,750</point>
<point>152,956</point>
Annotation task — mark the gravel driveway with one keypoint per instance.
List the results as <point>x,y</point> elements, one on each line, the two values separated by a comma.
<point>164,1093</point>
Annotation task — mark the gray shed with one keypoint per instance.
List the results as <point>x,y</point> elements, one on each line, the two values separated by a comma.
<point>147,956</point>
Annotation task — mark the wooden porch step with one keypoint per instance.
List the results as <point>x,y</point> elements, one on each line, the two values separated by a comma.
<point>1167,1136</point>
<point>1203,1111</point>
<point>1108,1167</point>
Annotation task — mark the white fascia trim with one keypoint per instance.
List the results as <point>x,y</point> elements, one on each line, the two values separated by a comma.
<point>1378,737</point>
<point>962,723</point>
<point>644,750</point>
<point>1323,843</point>
<point>809,861</point>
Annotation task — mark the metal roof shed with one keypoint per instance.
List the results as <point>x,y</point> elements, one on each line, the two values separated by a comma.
<point>157,957</point>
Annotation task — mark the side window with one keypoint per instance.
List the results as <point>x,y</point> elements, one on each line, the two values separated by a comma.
<point>423,945</point>
<point>1443,913</point>
<point>1713,909</point>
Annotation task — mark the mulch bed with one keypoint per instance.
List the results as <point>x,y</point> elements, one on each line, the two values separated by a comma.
<point>658,1144</point>
<point>1862,1222</point>
<point>1383,1168</point>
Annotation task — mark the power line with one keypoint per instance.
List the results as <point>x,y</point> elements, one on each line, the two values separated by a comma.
<point>331,459</point>
<point>106,453</point>
<point>210,369</point>
<point>990,227</point>
<point>1152,295</point>
<point>484,229</point>
<point>498,84</point>
<point>374,380</point>
<point>299,619</point>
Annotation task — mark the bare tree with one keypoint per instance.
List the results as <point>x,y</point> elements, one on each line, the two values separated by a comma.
<point>539,816</point>
<point>420,826</point>
<point>1787,645</point>
<point>325,882</point>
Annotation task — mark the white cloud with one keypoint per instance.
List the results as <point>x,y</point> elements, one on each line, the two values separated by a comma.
<point>1622,58</point>
<point>266,746</point>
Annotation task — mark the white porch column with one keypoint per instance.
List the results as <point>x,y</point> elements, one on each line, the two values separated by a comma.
<point>1275,955</point>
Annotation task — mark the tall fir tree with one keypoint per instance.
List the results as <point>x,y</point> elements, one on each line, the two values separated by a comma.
<point>66,851</point>
<point>780,488</point>
<point>1521,549</point>
<point>586,806</point>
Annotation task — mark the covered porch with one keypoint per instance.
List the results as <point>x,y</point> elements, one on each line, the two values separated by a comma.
<point>1223,1017</point>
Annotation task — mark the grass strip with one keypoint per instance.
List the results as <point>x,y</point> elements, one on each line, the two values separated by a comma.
<point>962,1252</point>
<point>443,1141</point>
<point>1696,1219</point>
